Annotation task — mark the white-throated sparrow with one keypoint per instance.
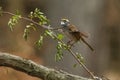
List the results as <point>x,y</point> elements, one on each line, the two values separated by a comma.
<point>73,33</point>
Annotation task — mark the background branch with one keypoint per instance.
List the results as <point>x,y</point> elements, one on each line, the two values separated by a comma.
<point>31,68</point>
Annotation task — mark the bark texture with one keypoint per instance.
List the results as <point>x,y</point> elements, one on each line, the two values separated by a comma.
<point>31,68</point>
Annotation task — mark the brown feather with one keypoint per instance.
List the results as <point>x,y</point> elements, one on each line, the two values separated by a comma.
<point>76,35</point>
<point>87,44</point>
<point>72,28</point>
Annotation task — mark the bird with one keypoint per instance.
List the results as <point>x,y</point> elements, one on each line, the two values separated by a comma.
<point>73,33</point>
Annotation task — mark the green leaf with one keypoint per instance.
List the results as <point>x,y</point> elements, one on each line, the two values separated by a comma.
<point>60,36</point>
<point>49,33</point>
<point>14,20</point>
<point>75,65</point>
<point>38,14</point>
<point>80,57</point>
<point>31,26</point>
<point>39,42</point>
<point>27,30</point>
<point>59,46</point>
<point>59,54</point>
<point>58,57</point>
<point>31,15</point>
<point>26,33</point>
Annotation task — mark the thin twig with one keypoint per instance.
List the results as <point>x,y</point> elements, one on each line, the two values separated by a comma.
<point>30,20</point>
<point>83,65</point>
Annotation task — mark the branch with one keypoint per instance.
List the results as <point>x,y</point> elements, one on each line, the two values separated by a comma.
<point>50,28</point>
<point>30,20</point>
<point>31,68</point>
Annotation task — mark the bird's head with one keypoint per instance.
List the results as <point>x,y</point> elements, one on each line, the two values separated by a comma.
<point>65,22</point>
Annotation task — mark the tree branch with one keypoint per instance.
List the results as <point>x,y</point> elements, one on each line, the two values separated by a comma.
<point>31,68</point>
<point>50,28</point>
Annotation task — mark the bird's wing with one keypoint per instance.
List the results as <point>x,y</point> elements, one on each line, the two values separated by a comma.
<point>82,34</point>
<point>72,28</point>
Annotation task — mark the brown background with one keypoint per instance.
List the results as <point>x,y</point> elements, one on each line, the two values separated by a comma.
<point>100,19</point>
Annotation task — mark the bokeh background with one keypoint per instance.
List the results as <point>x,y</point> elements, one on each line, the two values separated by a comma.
<point>100,19</point>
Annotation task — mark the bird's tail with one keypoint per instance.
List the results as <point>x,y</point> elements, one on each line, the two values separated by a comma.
<point>87,44</point>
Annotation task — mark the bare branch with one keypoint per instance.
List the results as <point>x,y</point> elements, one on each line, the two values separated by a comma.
<point>31,68</point>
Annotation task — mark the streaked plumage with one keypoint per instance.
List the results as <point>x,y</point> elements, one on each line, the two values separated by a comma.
<point>73,33</point>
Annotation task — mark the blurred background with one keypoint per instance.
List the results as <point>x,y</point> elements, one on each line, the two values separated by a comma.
<point>100,19</point>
